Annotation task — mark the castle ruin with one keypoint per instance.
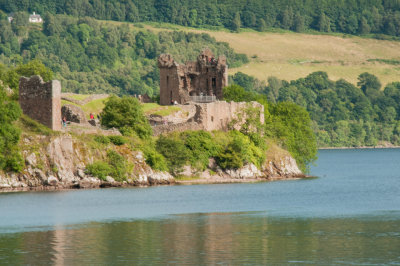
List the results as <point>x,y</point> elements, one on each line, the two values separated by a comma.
<point>201,80</point>
<point>41,100</point>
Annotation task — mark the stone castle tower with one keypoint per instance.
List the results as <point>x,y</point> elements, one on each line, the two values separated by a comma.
<point>204,77</point>
<point>41,100</point>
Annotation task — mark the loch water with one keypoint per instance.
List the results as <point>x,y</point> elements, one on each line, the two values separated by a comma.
<point>349,214</point>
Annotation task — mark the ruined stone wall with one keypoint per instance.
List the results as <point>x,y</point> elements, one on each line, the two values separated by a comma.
<point>163,129</point>
<point>206,76</point>
<point>210,116</point>
<point>41,100</point>
<point>218,115</point>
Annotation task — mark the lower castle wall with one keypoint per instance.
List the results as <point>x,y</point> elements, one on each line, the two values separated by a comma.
<point>210,116</point>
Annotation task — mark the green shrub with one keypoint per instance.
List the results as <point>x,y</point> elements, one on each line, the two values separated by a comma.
<point>155,159</point>
<point>175,151</point>
<point>291,124</point>
<point>127,115</point>
<point>10,157</point>
<point>239,151</point>
<point>102,139</point>
<point>201,147</point>
<point>119,164</point>
<point>117,140</point>
<point>15,161</point>
<point>99,169</point>
<point>116,166</point>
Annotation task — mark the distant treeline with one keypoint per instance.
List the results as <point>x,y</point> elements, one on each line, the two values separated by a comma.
<point>342,114</point>
<point>92,57</point>
<point>350,16</point>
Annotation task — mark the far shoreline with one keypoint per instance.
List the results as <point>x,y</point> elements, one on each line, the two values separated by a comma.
<point>359,148</point>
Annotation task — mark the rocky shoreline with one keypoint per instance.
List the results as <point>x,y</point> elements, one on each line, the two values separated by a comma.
<point>60,162</point>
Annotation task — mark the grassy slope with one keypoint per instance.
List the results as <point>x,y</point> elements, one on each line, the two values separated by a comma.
<point>290,56</point>
<point>95,106</point>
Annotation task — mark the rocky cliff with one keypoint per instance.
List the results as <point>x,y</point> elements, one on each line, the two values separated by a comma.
<point>59,162</point>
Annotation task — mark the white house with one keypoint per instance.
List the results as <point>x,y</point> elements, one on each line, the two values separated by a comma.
<point>35,18</point>
<point>10,17</point>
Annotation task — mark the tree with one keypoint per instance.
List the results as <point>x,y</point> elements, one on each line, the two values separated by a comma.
<point>127,115</point>
<point>51,25</point>
<point>246,81</point>
<point>324,23</point>
<point>298,25</point>
<point>10,156</point>
<point>175,151</point>
<point>35,67</point>
<point>236,93</point>
<point>261,26</point>
<point>368,81</point>
<point>287,18</point>
<point>291,124</point>
<point>236,22</point>
<point>352,24</point>
<point>364,27</point>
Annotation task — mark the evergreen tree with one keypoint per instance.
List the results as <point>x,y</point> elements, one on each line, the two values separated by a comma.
<point>236,22</point>
<point>261,26</point>
<point>324,24</point>
<point>364,27</point>
<point>298,25</point>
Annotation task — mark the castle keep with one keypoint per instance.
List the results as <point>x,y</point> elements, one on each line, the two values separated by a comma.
<point>201,80</point>
<point>41,100</point>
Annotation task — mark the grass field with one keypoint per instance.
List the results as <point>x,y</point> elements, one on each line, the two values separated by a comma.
<point>156,109</point>
<point>289,55</point>
<point>95,107</point>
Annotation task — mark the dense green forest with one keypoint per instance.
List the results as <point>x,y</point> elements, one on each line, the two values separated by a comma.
<point>342,114</point>
<point>93,57</point>
<point>352,16</point>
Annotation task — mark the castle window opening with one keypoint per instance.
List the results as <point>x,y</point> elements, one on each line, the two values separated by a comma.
<point>212,119</point>
<point>214,83</point>
<point>168,83</point>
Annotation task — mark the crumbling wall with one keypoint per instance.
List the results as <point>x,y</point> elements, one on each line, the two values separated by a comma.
<point>204,77</point>
<point>41,100</point>
<point>163,129</point>
<point>210,116</point>
<point>218,115</point>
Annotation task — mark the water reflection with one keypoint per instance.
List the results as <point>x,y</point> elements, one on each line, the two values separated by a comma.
<point>244,238</point>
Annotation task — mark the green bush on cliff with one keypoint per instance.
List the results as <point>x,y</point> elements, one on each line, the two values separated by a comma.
<point>231,150</point>
<point>290,124</point>
<point>117,140</point>
<point>117,166</point>
<point>102,139</point>
<point>239,151</point>
<point>10,156</point>
<point>154,158</point>
<point>99,169</point>
<point>127,115</point>
<point>174,151</point>
<point>201,147</point>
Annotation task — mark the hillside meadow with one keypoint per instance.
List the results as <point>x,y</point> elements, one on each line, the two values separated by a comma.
<point>289,56</point>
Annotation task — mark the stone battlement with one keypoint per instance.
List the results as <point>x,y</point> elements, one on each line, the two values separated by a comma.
<point>204,77</point>
<point>41,100</point>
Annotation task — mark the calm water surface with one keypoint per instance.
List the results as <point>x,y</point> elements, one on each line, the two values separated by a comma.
<point>349,215</point>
